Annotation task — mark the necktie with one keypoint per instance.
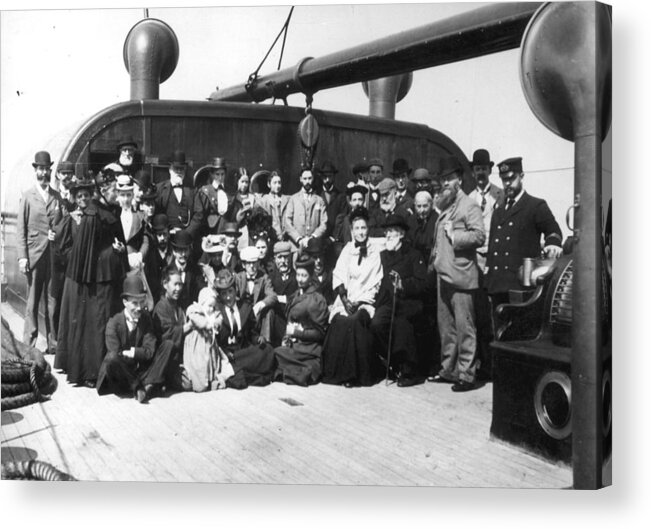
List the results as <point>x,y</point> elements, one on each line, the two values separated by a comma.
<point>363,251</point>
<point>235,327</point>
<point>509,203</point>
<point>483,200</point>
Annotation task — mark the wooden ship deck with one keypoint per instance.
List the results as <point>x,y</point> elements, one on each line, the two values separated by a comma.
<point>279,434</point>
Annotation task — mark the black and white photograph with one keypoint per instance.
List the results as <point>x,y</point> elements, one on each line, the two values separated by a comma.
<point>342,244</point>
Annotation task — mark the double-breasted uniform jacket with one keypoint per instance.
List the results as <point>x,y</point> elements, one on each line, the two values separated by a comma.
<point>491,200</point>
<point>276,208</point>
<point>35,218</point>
<point>187,214</point>
<point>515,234</point>
<point>262,289</point>
<point>455,259</point>
<point>421,232</point>
<point>306,216</point>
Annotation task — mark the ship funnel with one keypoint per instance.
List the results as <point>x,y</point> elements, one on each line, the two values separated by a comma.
<point>384,93</point>
<point>151,53</point>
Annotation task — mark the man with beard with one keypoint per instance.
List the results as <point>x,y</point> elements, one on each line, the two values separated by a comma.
<point>401,172</point>
<point>355,197</point>
<point>133,362</point>
<point>404,277</point>
<point>387,207</point>
<point>422,180</point>
<point>422,223</point>
<point>516,229</point>
<point>127,149</point>
<point>375,173</point>
<point>283,282</point>
<point>38,210</point>
<point>459,232</point>
<point>306,215</point>
<point>183,207</point>
<point>65,176</point>
<point>332,196</point>
<point>160,254</point>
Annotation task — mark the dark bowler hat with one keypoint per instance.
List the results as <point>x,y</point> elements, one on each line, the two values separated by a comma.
<point>42,158</point>
<point>375,161</point>
<point>328,166</point>
<point>142,178</point>
<point>218,163</point>
<point>160,223</point>
<point>481,157</point>
<point>181,239</point>
<point>421,174</point>
<point>66,167</point>
<point>149,193</point>
<point>133,288</point>
<point>127,142</point>
<point>305,262</point>
<point>315,246</point>
<point>230,228</point>
<point>394,220</point>
<point>510,165</point>
<point>449,165</point>
<point>355,188</point>
<point>178,160</point>
<point>224,279</point>
<point>400,166</point>
<point>360,167</point>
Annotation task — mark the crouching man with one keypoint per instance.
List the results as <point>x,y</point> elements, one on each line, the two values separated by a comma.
<point>133,363</point>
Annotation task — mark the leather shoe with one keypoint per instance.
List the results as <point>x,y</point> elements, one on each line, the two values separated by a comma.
<point>438,379</point>
<point>462,385</point>
<point>405,381</point>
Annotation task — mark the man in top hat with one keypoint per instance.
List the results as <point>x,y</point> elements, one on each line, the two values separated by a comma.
<point>253,285</point>
<point>214,195</point>
<point>38,211</point>
<point>184,209</point>
<point>459,232</point>
<point>515,233</point>
<point>376,174</point>
<point>231,257</point>
<point>306,216</point>
<point>401,174</point>
<point>127,152</point>
<point>405,275</point>
<point>133,362</point>
<point>330,194</point>
<point>191,273</point>
<point>159,255</point>
<point>387,206</point>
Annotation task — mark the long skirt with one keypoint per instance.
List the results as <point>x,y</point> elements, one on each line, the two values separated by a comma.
<point>253,365</point>
<point>85,310</point>
<point>296,366</point>
<point>348,352</point>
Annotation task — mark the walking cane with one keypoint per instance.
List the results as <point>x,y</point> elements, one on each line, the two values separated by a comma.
<point>394,281</point>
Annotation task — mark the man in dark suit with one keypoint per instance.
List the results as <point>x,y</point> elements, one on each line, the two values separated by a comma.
<point>356,196</point>
<point>283,282</point>
<point>387,207</point>
<point>184,208</point>
<point>515,233</point>
<point>331,195</point>
<point>459,232</point>
<point>191,274</point>
<point>422,223</point>
<point>133,361</point>
<point>38,210</point>
<point>159,255</point>
<point>401,174</point>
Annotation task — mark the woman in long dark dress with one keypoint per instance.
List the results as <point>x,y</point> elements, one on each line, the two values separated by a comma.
<point>299,358</point>
<point>348,355</point>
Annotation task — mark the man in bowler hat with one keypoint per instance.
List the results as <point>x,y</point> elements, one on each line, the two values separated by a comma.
<point>38,210</point>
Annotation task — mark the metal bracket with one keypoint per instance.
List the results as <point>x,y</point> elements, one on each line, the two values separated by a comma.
<point>576,205</point>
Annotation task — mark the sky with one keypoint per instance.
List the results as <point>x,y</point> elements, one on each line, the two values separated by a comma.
<point>59,67</point>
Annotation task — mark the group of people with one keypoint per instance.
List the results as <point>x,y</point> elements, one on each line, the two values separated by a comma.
<point>168,286</point>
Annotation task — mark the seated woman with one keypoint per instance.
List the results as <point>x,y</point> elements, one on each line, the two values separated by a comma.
<point>205,366</point>
<point>348,355</point>
<point>299,358</point>
<point>251,357</point>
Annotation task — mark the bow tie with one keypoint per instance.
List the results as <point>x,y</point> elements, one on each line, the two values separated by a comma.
<point>363,251</point>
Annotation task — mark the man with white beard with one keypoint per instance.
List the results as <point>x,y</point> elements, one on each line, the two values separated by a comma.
<point>388,206</point>
<point>127,149</point>
<point>459,232</point>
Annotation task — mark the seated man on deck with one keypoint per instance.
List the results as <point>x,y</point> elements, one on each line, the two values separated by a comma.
<point>133,361</point>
